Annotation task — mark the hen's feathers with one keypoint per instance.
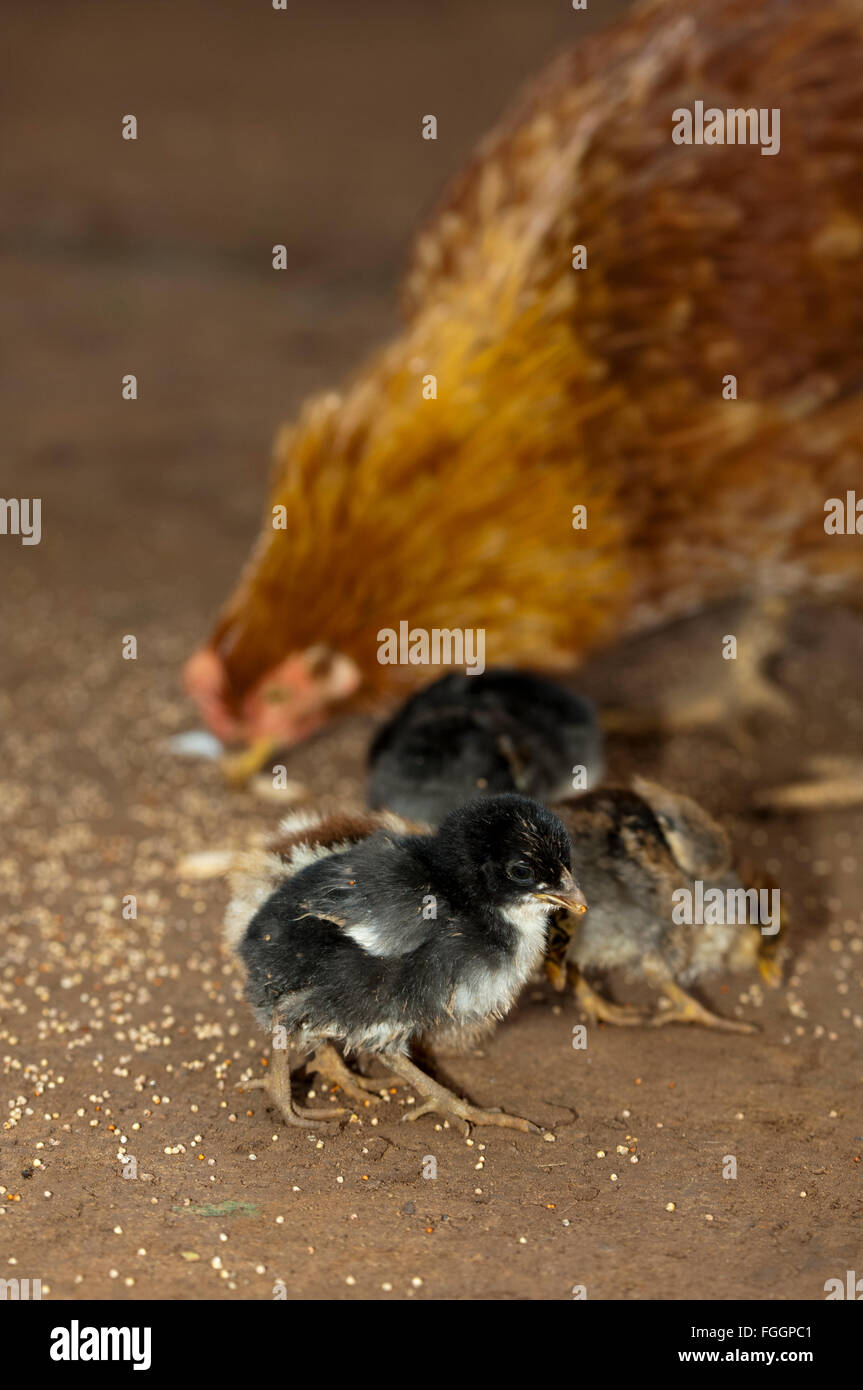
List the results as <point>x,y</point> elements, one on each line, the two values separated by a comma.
<point>601,386</point>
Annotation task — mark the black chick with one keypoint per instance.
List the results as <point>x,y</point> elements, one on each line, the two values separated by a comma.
<point>397,935</point>
<point>636,849</point>
<point>497,732</point>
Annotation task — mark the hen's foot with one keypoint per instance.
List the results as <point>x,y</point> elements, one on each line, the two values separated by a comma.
<point>836,783</point>
<point>446,1103</point>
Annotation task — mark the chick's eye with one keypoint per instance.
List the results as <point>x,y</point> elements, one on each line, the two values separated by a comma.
<point>519,872</point>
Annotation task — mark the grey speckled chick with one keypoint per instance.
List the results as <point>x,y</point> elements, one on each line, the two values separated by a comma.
<point>372,940</point>
<point>635,849</point>
<point>502,731</point>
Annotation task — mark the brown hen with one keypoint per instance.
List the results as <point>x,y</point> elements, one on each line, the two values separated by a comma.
<point>600,387</point>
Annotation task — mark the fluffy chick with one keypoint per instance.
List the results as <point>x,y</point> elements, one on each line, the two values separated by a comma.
<point>373,943</point>
<point>303,837</point>
<point>497,732</point>
<point>635,848</point>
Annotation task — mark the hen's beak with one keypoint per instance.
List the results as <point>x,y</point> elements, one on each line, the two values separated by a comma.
<point>567,895</point>
<point>771,971</point>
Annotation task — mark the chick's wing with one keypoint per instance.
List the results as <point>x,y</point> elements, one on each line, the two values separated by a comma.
<point>376,894</point>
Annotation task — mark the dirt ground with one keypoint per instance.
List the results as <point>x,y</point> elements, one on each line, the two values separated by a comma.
<point>125,1039</point>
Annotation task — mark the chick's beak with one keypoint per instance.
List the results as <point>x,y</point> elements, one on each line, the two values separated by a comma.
<point>567,895</point>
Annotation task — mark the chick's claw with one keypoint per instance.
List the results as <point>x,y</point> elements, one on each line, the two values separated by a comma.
<point>467,1115</point>
<point>687,1009</point>
<point>300,1115</point>
<point>441,1101</point>
<point>278,1088</point>
<point>329,1064</point>
<point>291,1113</point>
<point>595,1007</point>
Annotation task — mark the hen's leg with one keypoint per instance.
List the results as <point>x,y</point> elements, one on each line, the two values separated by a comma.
<point>444,1102</point>
<point>763,636</point>
<point>745,690</point>
<point>278,1086</point>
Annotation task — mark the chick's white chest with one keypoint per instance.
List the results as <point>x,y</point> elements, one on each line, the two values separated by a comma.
<point>491,989</point>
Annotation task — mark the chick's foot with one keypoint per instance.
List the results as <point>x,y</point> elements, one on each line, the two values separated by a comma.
<point>441,1101</point>
<point>685,1008</point>
<point>596,1007</point>
<point>331,1066</point>
<point>278,1087</point>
